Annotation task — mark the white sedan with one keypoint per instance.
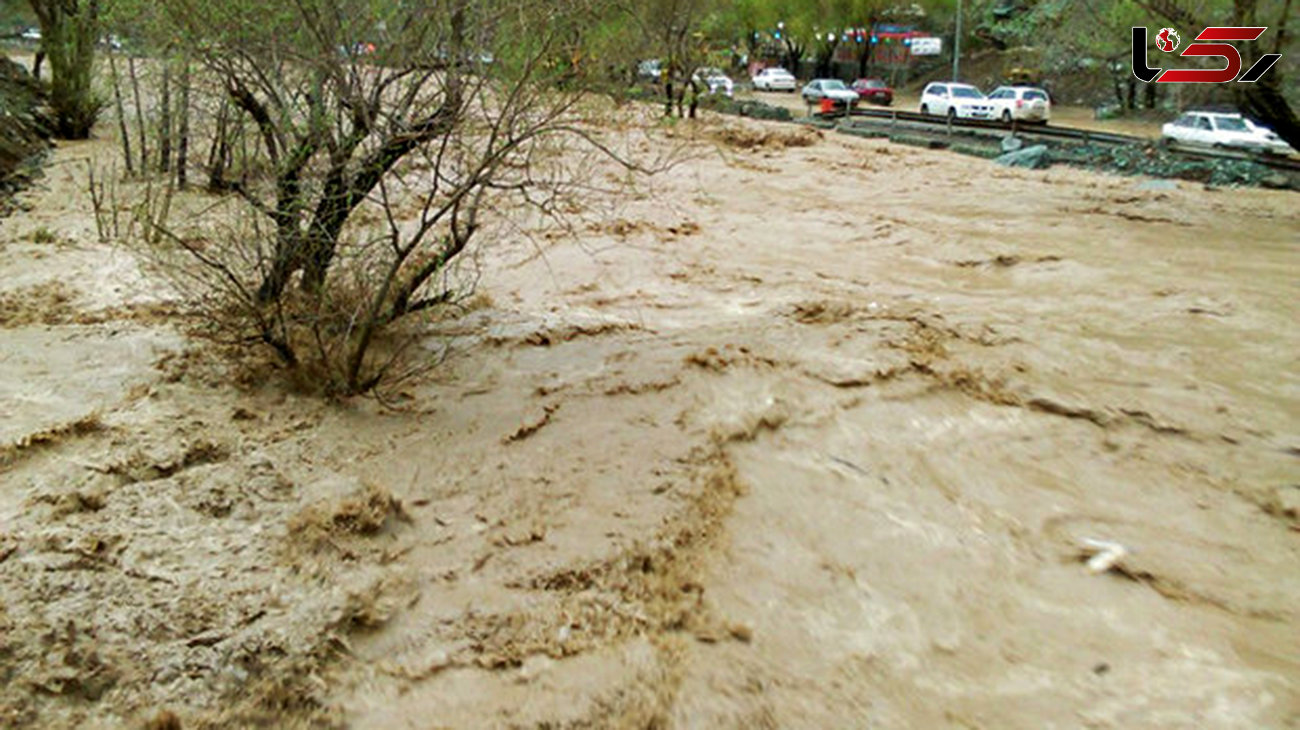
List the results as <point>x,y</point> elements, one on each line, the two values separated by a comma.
<point>775,79</point>
<point>1275,143</point>
<point>1213,129</point>
<point>714,80</point>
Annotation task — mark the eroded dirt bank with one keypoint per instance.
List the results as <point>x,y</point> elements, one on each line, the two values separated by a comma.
<point>805,436</point>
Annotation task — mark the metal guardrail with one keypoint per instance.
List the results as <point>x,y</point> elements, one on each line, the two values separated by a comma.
<point>1083,136</point>
<point>1042,130</point>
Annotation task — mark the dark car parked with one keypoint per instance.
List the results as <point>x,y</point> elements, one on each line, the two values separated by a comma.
<point>874,91</point>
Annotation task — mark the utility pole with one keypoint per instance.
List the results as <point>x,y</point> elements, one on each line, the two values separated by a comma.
<point>956,46</point>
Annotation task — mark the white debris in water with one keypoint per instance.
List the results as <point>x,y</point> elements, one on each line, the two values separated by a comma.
<point>1105,554</point>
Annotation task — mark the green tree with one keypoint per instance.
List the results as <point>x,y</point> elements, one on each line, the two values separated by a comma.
<point>14,15</point>
<point>69,31</point>
<point>674,32</point>
<point>865,14</point>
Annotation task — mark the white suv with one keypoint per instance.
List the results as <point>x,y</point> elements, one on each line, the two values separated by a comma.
<point>1021,103</point>
<point>955,100</point>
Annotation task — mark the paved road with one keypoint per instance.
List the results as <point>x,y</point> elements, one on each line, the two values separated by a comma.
<point>1066,116</point>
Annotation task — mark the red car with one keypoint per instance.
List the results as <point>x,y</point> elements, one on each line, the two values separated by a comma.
<point>874,91</point>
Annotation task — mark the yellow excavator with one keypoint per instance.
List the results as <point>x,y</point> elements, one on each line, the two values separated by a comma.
<point>1022,65</point>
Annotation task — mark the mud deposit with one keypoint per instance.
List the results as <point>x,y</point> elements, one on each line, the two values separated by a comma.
<point>811,433</point>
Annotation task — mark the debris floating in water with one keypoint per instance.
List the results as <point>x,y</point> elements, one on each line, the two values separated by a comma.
<point>1105,554</point>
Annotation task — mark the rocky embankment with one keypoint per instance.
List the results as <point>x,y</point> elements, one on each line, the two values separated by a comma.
<point>24,128</point>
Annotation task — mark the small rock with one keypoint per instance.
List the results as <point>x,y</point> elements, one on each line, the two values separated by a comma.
<point>437,661</point>
<point>1106,111</point>
<point>741,632</point>
<point>535,666</point>
<point>1157,185</point>
<point>1276,181</point>
<point>165,720</point>
<point>1286,502</point>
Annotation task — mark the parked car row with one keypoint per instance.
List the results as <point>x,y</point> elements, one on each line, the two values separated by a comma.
<point>712,78</point>
<point>33,35</point>
<point>1031,104</point>
<point>1014,103</point>
<point>1005,103</point>
<point>873,91</point>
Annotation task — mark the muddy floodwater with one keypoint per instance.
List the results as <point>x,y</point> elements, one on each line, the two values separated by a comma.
<point>810,432</point>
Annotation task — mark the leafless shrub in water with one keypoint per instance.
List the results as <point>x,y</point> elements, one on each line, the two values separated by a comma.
<point>379,163</point>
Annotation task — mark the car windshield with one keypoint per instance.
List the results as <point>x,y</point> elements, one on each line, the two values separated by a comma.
<point>833,85</point>
<point>1230,124</point>
<point>966,92</point>
<point>872,84</point>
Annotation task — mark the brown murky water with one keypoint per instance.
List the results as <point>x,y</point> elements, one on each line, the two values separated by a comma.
<point>808,436</point>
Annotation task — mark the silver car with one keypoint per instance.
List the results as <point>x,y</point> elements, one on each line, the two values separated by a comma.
<point>833,89</point>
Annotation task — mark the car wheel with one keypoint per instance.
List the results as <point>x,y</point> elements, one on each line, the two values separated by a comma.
<point>952,114</point>
<point>1006,116</point>
<point>925,109</point>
